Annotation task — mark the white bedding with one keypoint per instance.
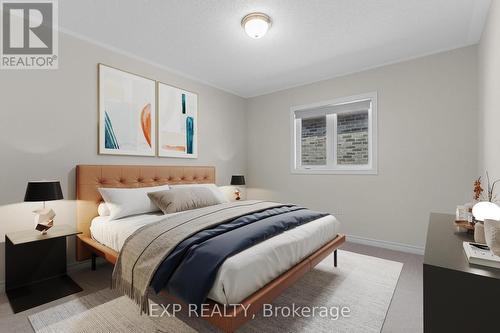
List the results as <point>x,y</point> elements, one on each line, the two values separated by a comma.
<point>246,272</point>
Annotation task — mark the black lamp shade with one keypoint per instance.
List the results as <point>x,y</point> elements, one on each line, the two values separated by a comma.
<point>43,191</point>
<point>238,180</point>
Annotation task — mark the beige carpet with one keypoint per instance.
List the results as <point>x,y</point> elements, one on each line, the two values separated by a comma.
<point>363,284</point>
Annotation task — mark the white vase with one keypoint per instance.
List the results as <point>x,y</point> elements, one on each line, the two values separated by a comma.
<point>479,236</point>
<point>492,235</point>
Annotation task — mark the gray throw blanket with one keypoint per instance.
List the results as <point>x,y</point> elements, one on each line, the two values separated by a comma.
<point>146,248</point>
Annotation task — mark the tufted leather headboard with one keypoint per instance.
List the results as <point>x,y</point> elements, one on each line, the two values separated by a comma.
<point>91,177</point>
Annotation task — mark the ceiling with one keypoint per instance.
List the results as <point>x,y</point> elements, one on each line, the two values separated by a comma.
<point>310,40</point>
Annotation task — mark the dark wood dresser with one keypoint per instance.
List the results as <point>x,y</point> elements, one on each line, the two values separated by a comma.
<point>458,297</point>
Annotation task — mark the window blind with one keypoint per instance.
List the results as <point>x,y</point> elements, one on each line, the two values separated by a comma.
<point>330,109</point>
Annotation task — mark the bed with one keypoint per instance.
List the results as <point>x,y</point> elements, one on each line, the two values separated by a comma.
<point>252,277</point>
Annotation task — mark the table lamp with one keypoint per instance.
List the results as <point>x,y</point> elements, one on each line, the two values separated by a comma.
<point>237,180</point>
<point>43,191</point>
<point>486,210</point>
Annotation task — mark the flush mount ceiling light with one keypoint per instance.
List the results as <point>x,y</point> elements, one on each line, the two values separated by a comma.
<point>256,24</point>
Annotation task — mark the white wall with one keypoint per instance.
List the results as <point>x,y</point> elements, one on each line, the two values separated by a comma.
<point>427,145</point>
<point>489,93</point>
<point>49,125</point>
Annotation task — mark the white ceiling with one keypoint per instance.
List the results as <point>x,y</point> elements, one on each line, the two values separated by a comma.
<point>310,40</point>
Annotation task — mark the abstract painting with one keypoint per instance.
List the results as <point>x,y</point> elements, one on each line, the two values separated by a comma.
<point>177,122</point>
<point>127,113</point>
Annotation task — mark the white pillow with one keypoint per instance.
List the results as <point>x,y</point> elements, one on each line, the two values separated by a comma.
<point>212,187</point>
<point>123,202</point>
<point>229,192</point>
<point>103,209</point>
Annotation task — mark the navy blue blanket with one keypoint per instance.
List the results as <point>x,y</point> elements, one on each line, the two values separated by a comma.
<point>190,270</point>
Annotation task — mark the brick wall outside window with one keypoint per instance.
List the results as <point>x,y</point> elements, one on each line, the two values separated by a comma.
<point>313,141</point>
<point>352,138</point>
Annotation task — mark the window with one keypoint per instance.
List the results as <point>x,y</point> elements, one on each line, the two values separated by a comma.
<point>336,137</point>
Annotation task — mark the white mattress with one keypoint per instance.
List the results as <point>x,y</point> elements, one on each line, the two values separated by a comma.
<point>246,272</point>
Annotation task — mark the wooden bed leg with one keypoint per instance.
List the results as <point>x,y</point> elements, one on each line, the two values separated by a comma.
<point>335,258</point>
<point>93,264</point>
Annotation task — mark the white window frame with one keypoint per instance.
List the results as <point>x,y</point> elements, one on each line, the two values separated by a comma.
<point>331,143</point>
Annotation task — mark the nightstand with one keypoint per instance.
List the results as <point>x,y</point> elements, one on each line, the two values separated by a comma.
<point>35,267</point>
<point>458,296</point>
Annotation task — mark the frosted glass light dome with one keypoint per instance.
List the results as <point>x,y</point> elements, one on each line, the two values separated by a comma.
<point>486,210</point>
<point>256,25</point>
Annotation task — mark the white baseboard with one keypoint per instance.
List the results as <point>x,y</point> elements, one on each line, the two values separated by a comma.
<point>386,244</point>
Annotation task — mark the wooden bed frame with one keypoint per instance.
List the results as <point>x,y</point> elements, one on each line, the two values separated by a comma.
<point>91,177</point>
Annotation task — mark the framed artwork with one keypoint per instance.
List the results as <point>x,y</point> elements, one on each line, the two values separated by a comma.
<point>177,122</point>
<point>127,113</point>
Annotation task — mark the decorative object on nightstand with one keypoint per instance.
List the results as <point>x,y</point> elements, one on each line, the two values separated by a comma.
<point>470,217</point>
<point>480,254</point>
<point>483,211</point>
<point>492,235</point>
<point>238,180</point>
<point>465,226</point>
<point>463,212</point>
<point>487,210</point>
<point>479,232</point>
<point>35,267</point>
<point>43,191</point>
<point>463,218</point>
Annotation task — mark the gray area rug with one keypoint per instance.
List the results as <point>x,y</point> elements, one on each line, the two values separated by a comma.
<point>363,284</point>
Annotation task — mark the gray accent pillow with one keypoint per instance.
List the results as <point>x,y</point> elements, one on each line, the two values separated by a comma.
<point>181,199</point>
